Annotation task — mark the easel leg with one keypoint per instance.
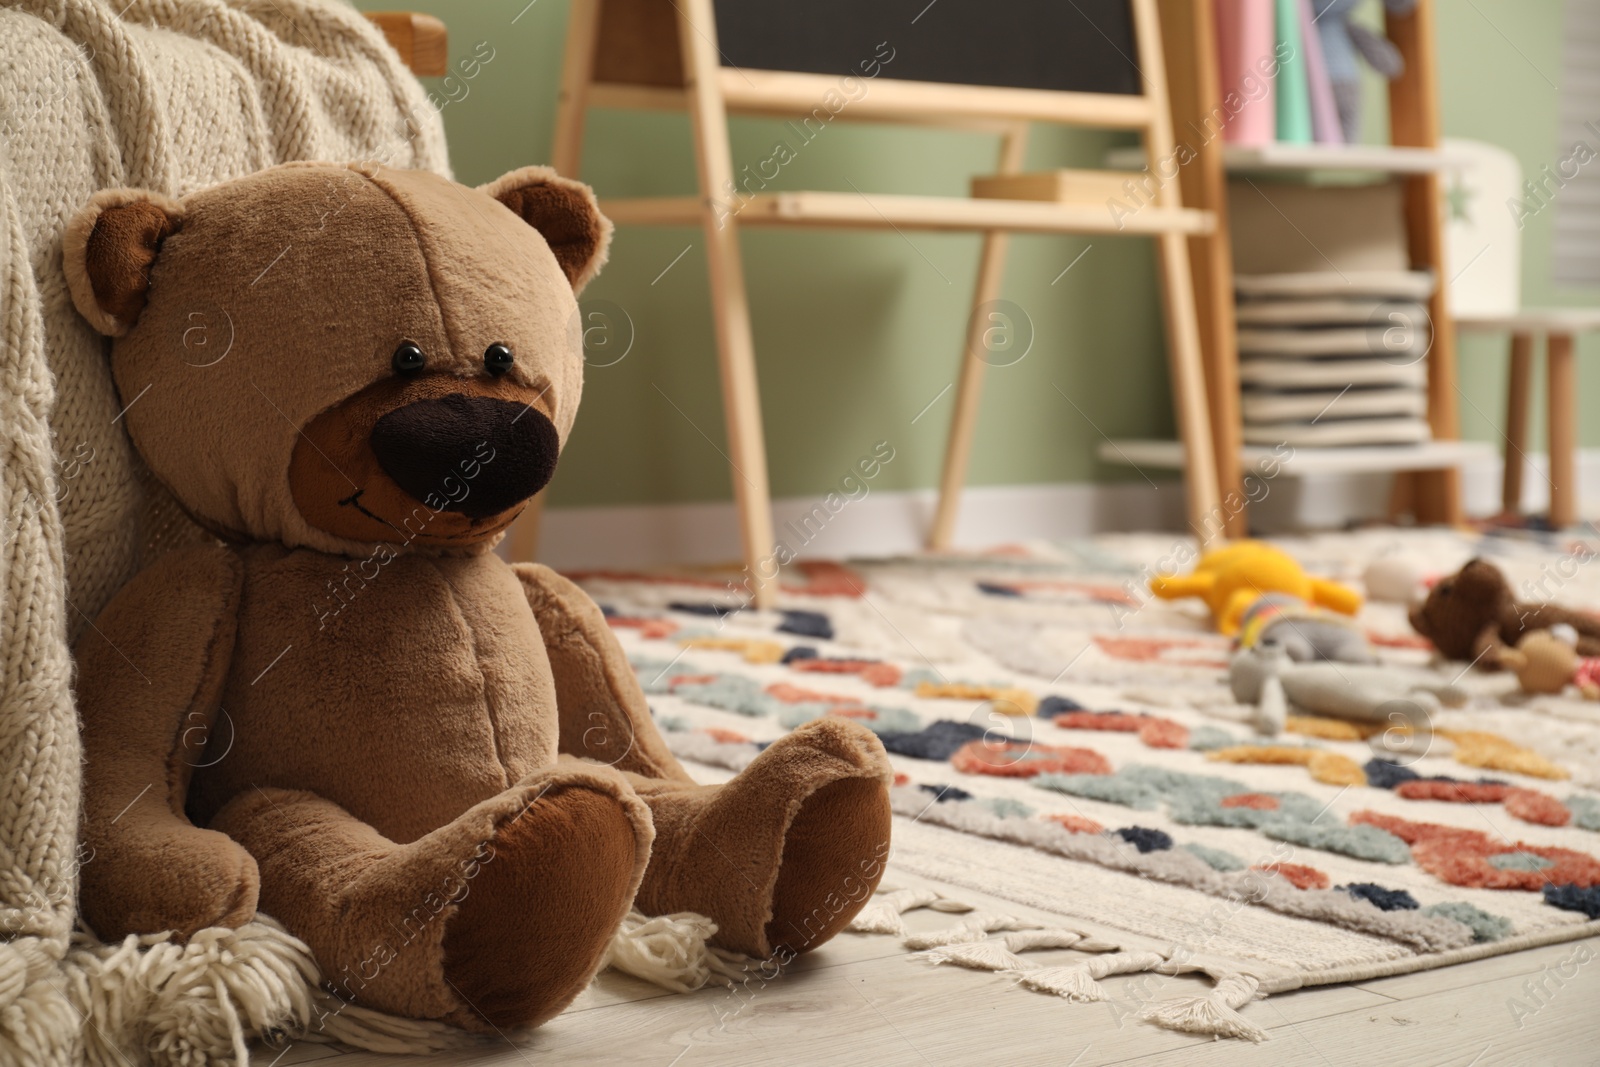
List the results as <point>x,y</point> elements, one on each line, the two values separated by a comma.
<point>969,385</point>
<point>741,400</point>
<point>1518,389</point>
<point>1208,518</point>
<point>1562,384</point>
<point>566,156</point>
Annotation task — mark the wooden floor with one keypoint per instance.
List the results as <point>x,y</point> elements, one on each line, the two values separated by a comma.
<point>861,1001</point>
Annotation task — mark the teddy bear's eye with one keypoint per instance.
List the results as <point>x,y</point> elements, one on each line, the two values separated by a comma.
<point>497,359</point>
<point>408,359</point>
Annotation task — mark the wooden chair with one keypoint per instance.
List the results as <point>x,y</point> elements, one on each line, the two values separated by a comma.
<point>1559,327</point>
<point>1485,245</point>
<point>655,54</point>
<point>420,39</point>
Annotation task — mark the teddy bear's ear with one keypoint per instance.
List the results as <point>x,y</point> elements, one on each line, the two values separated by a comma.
<point>107,252</point>
<point>565,214</point>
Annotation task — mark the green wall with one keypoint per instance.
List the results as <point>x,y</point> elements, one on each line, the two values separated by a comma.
<point>1500,73</point>
<point>856,332</point>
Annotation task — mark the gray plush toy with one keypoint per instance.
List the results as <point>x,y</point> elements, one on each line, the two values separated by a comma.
<point>1366,693</point>
<point>1305,632</point>
<point>1342,41</point>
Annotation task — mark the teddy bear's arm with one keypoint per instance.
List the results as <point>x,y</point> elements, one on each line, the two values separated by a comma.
<point>603,713</point>
<point>150,678</point>
<point>1543,616</point>
<point>1487,646</point>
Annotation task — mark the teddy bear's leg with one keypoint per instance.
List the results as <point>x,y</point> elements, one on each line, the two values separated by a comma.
<point>494,921</point>
<point>784,855</point>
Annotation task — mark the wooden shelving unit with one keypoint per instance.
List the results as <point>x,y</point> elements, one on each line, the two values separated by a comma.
<point>1427,482</point>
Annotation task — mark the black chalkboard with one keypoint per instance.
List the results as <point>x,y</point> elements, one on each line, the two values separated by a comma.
<point>1062,45</point>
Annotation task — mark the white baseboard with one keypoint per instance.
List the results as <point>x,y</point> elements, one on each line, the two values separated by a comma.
<point>1325,501</point>
<point>883,523</point>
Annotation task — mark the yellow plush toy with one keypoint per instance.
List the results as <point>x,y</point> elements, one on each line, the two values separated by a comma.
<point>1231,578</point>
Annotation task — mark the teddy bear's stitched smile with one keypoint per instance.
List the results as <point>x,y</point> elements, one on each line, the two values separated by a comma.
<point>428,459</point>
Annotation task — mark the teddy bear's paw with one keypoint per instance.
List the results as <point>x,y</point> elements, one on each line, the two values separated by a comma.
<point>786,854</point>
<point>556,880</point>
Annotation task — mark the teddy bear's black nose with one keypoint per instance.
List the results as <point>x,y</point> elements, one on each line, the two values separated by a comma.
<point>478,455</point>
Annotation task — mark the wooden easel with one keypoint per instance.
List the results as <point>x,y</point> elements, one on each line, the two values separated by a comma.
<point>656,54</point>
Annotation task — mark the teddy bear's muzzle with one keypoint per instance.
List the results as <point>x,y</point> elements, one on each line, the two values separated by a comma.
<point>475,455</point>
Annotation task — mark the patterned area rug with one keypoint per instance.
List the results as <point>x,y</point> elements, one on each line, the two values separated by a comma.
<point>1064,741</point>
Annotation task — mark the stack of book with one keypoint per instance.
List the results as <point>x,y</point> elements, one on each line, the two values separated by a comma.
<point>1333,327</point>
<point>1274,74</point>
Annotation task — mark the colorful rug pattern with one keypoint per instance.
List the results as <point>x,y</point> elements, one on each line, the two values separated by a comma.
<point>1062,740</point>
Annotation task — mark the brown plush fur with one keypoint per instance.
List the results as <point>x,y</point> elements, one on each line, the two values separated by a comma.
<point>603,712</point>
<point>108,249</point>
<point>784,856</point>
<point>1473,615</point>
<point>353,716</point>
<point>721,851</point>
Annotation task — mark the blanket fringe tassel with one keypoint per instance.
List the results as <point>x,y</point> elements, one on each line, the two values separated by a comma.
<point>149,1000</point>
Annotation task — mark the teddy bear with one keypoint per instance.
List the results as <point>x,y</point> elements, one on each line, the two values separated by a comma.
<point>343,710</point>
<point>1472,615</point>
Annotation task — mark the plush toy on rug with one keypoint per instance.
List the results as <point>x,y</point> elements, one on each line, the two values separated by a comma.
<point>1472,615</point>
<point>1546,662</point>
<point>1306,634</point>
<point>1230,579</point>
<point>1397,579</point>
<point>1362,693</point>
<point>436,769</point>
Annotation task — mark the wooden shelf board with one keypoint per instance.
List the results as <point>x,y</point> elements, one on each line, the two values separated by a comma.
<point>1532,320</point>
<point>1389,159</point>
<point>1429,455</point>
<point>874,211</point>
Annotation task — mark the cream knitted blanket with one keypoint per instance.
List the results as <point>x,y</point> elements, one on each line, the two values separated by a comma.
<point>169,95</point>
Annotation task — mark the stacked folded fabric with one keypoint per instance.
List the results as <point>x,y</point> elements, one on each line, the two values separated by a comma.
<point>1334,330</point>
<point>1330,359</point>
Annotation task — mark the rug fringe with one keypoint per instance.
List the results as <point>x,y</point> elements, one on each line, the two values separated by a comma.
<point>974,928</point>
<point>1215,1013</point>
<point>980,956</point>
<point>882,916</point>
<point>1080,981</point>
<point>1056,937</point>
